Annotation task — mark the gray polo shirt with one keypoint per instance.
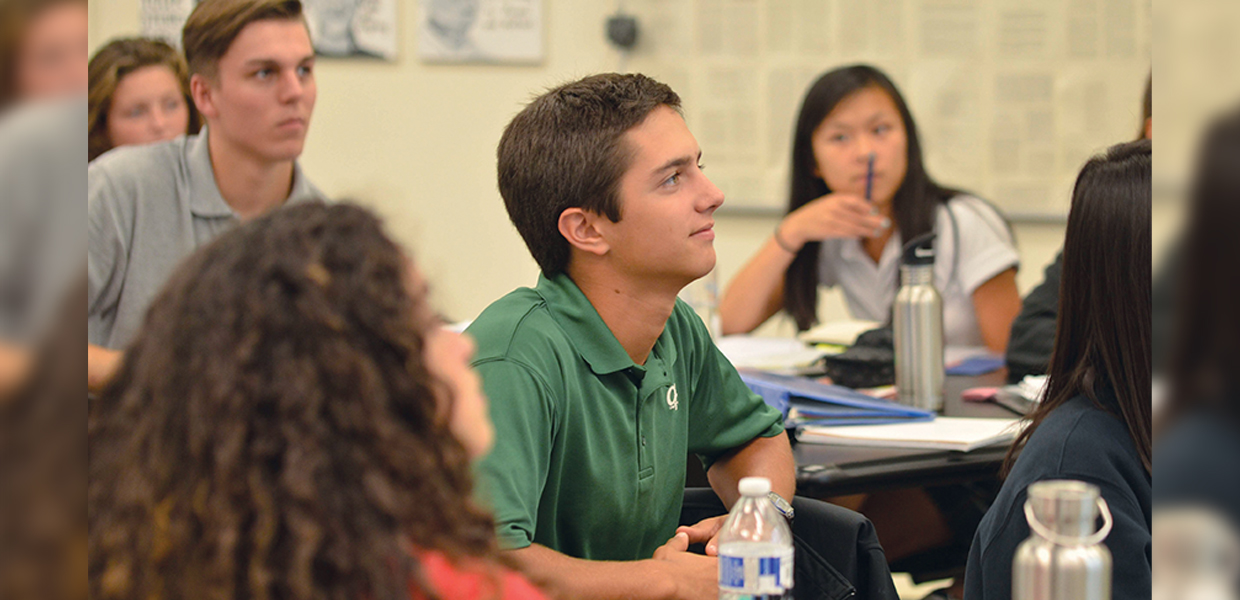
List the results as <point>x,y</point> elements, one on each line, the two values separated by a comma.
<point>149,207</point>
<point>41,218</point>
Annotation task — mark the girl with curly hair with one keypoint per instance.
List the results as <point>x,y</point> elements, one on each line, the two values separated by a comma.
<point>292,422</point>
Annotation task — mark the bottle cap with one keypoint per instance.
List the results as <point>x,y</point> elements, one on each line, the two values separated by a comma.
<point>1066,507</point>
<point>919,251</point>
<point>755,486</point>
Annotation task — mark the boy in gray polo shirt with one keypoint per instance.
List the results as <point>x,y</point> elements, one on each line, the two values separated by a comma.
<point>251,76</point>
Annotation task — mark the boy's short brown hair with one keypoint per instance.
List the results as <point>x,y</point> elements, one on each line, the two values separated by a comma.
<point>565,150</point>
<point>214,24</point>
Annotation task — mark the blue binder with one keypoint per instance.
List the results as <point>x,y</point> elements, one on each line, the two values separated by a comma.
<point>825,404</point>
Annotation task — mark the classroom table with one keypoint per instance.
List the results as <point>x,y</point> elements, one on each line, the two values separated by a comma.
<point>827,470</point>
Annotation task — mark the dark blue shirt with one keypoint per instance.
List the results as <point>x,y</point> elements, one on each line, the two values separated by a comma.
<point>1196,464</point>
<point>1077,441</point>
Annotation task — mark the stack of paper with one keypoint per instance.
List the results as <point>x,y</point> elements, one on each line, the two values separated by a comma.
<point>805,401</point>
<point>1032,387</point>
<point>842,333</point>
<point>943,433</point>
<point>1024,396</point>
<point>768,354</point>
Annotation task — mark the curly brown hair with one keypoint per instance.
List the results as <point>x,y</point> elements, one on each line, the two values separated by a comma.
<point>274,432</point>
<point>43,466</point>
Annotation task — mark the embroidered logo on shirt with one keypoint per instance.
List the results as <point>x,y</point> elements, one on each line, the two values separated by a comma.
<point>673,400</point>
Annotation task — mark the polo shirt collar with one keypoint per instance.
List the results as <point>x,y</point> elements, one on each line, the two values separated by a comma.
<point>593,340</point>
<point>204,195</point>
<point>853,251</point>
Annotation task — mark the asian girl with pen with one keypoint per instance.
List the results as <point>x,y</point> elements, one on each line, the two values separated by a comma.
<point>859,187</point>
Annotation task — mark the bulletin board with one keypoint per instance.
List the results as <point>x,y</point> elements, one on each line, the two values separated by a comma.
<point>1011,97</point>
<point>339,28</point>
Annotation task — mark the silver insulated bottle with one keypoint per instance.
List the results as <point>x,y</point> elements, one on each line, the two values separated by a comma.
<point>917,324</point>
<point>1064,558</point>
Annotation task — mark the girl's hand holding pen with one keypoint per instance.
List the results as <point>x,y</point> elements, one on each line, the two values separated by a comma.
<point>869,178</point>
<point>836,215</point>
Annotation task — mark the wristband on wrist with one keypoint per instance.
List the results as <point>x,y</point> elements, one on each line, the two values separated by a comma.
<point>779,241</point>
<point>781,505</point>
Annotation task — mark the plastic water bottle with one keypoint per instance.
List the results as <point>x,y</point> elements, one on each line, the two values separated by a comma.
<point>703,296</point>
<point>755,547</point>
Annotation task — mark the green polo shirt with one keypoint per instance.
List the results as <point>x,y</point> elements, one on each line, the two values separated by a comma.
<point>589,455</point>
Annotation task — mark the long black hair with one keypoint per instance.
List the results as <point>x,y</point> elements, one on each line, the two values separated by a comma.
<point>1102,334</point>
<point>1205,353</point>
<point>43,470</point>
<point>915,201</point>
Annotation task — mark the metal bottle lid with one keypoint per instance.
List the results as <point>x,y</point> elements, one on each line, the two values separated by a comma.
<point>919,251</point>
<point>1067,508</point>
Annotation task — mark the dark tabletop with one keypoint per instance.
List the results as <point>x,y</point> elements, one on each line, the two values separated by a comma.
<point>827,470</point>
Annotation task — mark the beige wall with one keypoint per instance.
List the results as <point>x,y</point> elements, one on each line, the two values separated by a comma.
<point>417,143</point>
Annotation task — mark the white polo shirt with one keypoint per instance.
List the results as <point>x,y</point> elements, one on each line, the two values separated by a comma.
<point>973,245</point>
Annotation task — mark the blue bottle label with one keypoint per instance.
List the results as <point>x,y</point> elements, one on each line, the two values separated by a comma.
<point>758,575</point>
<point>732,572</point>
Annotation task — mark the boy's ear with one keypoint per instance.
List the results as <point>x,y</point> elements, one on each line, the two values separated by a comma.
<point>579,227</point>
<point>201,91</point>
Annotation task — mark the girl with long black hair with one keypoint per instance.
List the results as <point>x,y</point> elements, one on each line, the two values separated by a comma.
<point>1093,424</point>
<point>859,187</point>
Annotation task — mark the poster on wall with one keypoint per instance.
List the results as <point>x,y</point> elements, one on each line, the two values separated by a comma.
<point>163,19</point>
<point>480,31</point>
<point>339,28</point>
<point>353,28</point>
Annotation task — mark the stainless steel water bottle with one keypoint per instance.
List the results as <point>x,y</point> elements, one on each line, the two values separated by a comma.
<point>917,325</point>
<point>1064,558</point>
<point>1196,551</point>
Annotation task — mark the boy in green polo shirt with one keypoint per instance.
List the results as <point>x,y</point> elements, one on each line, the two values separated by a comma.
<point>600,381</point>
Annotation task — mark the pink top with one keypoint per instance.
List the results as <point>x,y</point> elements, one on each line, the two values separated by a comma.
<point>473,580</point>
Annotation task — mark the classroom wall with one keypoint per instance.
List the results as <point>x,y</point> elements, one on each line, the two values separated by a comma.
<point>417,143</point>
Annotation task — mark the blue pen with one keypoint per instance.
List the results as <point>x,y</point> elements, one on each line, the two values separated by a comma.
<point>869,178</point>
